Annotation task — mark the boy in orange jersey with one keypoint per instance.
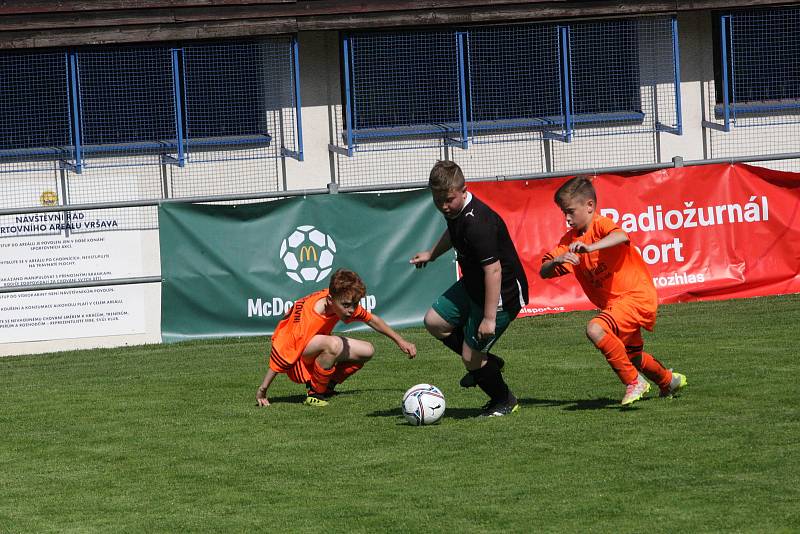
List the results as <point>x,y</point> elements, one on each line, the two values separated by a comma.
<point>614,276</point>
<point>304,349</point>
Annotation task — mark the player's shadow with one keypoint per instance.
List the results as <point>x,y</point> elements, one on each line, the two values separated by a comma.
<point>452,413</point>
<point>299,399</point>
<point>569,405</point>
<point>293,399</point>
<point>572,405</point>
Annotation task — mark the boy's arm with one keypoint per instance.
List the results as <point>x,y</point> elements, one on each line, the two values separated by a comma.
<point>552,266</point>
<point>379,325</point>
<point>611,240</point>
<point>491,279</point>
<point>421,259</point>
<point>261,394</point>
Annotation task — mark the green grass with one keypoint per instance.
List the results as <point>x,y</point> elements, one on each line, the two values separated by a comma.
<point>167,438</point>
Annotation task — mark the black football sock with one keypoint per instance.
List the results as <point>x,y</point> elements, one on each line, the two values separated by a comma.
<point>500,361</point>
<point>454,341</point>
<point>491,381</point>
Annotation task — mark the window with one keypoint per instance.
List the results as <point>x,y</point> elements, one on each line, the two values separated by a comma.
<point>232,88</point>
<point>404,79</point>
<point>126,96</point>
<point>103,102</point>
<point>489,79</point>
<point>757,51</point>
<point>35,104</point>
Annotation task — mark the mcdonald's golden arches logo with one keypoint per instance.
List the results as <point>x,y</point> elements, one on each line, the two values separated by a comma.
<point>307,254</point>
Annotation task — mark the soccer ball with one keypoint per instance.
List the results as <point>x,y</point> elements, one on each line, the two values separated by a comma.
<point>423,404</point>
<point>307,254</point>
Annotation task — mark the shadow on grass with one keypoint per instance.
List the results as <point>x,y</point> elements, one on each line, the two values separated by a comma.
<point>570,405</point>
<point>452,413</point>
<point>300,398</point>
<point>600,403</point>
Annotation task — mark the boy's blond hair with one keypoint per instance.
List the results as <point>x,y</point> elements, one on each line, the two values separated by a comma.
<point>446,176</point>
<point>579,187</point>
<point>346,284</point>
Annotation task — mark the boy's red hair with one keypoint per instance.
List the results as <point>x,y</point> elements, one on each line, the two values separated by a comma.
<point>347,285</point>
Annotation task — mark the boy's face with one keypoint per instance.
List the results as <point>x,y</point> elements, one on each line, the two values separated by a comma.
<point>578,212</point>
<point>343,307</point>
<point>451,202</point>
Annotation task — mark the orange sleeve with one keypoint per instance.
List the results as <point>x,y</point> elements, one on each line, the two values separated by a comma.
<point>360,314</point>
<point>562,268</point>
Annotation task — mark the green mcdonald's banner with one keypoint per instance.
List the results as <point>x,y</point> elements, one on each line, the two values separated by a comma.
<point>236,270</point>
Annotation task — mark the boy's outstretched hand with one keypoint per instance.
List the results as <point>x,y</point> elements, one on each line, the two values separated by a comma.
<point>408,348</point>
<point>261,398</point>
<point>420,259</point>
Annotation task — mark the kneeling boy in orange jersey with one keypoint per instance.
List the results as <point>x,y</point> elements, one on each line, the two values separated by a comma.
<point>614,276</point>
<point>304,349</point>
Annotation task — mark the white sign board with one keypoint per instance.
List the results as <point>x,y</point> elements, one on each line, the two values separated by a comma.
<point>70,313</point>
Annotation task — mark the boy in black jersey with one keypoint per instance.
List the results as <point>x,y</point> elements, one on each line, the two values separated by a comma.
<point>470,316</point>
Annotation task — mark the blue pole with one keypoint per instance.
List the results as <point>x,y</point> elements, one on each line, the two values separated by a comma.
<point>176,86</point>
<point>462,85</point>
<point>724,20</point>
<point>76,117</point>
<point>347,110</point>
<point>566,77</point>
<point>298,105</point>
<point>676,55</point>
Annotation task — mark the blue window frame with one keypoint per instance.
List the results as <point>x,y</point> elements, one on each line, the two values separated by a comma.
<point>756,53</point>
<point>458,84</point>
<point>100,102</point>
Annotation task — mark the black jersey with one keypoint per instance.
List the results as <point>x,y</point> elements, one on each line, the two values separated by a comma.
<point>480,237</point>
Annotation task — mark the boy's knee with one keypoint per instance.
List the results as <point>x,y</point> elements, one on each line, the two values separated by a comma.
<point>595,332</point>
<point>331,348</point>
<point>369,351</point>
<point>437,326</point>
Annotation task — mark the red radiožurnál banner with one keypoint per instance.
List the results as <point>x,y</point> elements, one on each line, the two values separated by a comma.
<point>707,233</point>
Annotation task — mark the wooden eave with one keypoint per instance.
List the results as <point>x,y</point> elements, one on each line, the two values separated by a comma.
<point>49,23</point>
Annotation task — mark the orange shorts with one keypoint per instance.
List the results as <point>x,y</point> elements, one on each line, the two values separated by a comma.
<point>300,372</point>
<point>625,318</point>
<point>297,367</point>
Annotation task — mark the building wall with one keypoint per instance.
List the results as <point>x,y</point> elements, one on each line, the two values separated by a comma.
<point>501,155</point>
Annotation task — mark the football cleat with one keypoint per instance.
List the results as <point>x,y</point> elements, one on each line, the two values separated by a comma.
<point>635,391</point>
<point>499,409</point>
<point>315,399</point>
<point>677,383</point>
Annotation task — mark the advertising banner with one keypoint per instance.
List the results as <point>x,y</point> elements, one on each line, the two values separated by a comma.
<point>706,232</point>
<point>56,259</point>
<point>236,270</point>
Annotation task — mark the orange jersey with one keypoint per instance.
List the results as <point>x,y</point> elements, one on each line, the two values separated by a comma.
<point>301,324</point>
<point>610,274</point>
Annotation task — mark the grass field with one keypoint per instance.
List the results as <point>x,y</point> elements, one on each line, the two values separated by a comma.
<point>167,438</point>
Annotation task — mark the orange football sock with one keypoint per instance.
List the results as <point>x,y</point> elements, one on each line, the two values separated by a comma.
<point>614,351</point>
<point>320,378</point>
<point>651,368</point>
<point>344,370</point>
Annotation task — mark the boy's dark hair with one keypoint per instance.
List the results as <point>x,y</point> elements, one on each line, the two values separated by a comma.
<point>578,187</point>
<point>446,176</point>
<point>346,284</point>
